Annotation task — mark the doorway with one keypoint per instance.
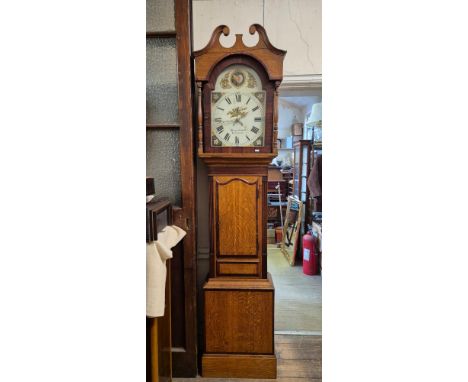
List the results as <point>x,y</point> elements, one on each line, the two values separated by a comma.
<point>294,210</point>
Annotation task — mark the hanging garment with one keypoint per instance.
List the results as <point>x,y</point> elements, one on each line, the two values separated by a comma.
<point>157,252</point>
<point>314,182</point>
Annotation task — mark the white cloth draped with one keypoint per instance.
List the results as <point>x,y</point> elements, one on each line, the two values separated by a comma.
<point>157,252</point>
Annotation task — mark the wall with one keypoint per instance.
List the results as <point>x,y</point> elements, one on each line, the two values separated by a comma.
<point>292,25</point>
<point>288,113</point>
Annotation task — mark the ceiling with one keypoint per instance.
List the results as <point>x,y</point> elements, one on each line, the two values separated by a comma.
<point>302,101</point>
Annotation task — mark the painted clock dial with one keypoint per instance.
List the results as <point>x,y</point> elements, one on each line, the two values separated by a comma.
<point>238,109</point>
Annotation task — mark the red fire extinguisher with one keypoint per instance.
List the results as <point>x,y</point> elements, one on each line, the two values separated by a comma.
<point>309,254</point>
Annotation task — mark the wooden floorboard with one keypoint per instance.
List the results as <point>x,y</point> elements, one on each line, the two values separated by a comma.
<point>286,379</point>
<point>299,340</point>
<point>311,353</point>
<point>299,368</point>
<point>299,360</point>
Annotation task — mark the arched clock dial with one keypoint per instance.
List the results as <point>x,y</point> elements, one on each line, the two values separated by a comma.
<point>238,109</point>
<point>238,119</point>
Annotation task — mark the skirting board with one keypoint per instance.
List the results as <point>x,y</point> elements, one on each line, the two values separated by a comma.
<point>239,366</point>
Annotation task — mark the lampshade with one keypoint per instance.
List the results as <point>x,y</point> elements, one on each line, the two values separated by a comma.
<point>316,114</point>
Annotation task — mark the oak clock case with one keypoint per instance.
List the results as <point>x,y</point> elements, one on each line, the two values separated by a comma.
<point>237,90</point>
<point>238,101</point>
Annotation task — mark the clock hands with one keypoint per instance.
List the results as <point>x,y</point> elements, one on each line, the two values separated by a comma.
<point>237,113</point>
<point>239,122</point>
<point>233,122</point>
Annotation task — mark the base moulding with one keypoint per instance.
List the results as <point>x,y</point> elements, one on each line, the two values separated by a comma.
<point>239,366</point>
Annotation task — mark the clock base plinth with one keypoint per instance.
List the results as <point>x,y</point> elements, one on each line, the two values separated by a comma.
<point>239,328</point>
<point>239,366</point>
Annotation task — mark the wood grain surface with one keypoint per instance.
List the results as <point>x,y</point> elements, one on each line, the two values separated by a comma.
<point>264,58</point>
<point>238,212</point>
<point>271,57</point>
<point>299,359</point>
<point>223,283</point>
<point>233,269</point>
<point>238,311</point>
<point>239,321</point>
<point>239,366</point>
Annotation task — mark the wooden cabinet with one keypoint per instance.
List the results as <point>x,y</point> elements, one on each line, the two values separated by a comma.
<point>277,193</point>
<point>301,169</point>
<point>316,160</point>
<point>302,150</point>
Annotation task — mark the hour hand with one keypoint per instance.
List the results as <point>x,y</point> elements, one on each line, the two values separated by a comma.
<point>239,122</point>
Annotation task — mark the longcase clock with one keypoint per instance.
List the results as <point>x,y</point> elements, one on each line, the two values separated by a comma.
<point>237,90</point>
